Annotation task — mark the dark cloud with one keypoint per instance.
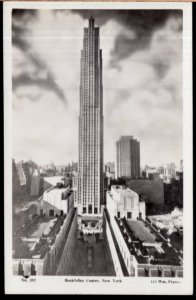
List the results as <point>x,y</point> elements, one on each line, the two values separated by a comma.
<point>33,97</point>
<point>47,84</point>
<point>26,15</point>
<point>20,20</point>
<point>142,22</point>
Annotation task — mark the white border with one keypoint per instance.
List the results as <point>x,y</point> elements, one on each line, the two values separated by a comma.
<point>57,285</point>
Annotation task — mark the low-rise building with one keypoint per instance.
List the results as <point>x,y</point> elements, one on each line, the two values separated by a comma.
<point>137,247</point>
<point>55,201</point>
<point>35,183</point>
<point>150,173</point>
<point>123,202</point>
<point>38,248</point>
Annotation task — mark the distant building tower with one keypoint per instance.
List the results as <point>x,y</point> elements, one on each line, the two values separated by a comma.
<point>128,157</point>
<point>169,172</point>
<point>181,165</point>
<point>90,171</point>
<point>35,183</point>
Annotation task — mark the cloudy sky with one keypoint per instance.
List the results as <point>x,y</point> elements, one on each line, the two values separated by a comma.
<point>142,82</point>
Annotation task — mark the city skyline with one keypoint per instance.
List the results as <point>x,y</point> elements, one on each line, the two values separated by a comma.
<point>44,113</point>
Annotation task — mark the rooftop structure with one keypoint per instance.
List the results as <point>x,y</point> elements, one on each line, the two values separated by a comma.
<point>147,245</point>
<point>123,202</point>
<point>55,201</point>
<point>53,180</point>
<point>141,232</point>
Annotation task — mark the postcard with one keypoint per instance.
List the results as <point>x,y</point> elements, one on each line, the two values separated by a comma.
<point>98,148</point>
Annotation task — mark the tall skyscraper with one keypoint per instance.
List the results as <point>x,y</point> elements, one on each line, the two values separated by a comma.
<point>90,171</point>
<point>128,157</point>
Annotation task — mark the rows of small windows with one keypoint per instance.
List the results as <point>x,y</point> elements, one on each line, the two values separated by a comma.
<point>90,209</point>
<point>129,215</point>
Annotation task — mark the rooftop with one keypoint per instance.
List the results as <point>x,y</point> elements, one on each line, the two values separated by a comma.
<point>53,180</point>
<point>121,189</point>
<point>141,232</point>
<point>37,238</point>
<point>56,190</point>
<point>43,226</point>
<point>60,191</point>
<point>146,244</point>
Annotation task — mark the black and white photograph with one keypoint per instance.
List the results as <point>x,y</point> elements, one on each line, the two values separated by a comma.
<point>98,172</point>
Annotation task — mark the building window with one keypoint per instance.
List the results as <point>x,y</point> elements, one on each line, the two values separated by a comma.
<point>159,273</point>
<point>147,272</point>
<point>140,215</point>
<point>129,215</point>
<point>95,210</point>
<point>51,213</point>
<point>20,269</point>
<point>118,214</point>
<point>33,271</point>
<point>90,209</point>
<point>173,273</point>
<point>84,210</point>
